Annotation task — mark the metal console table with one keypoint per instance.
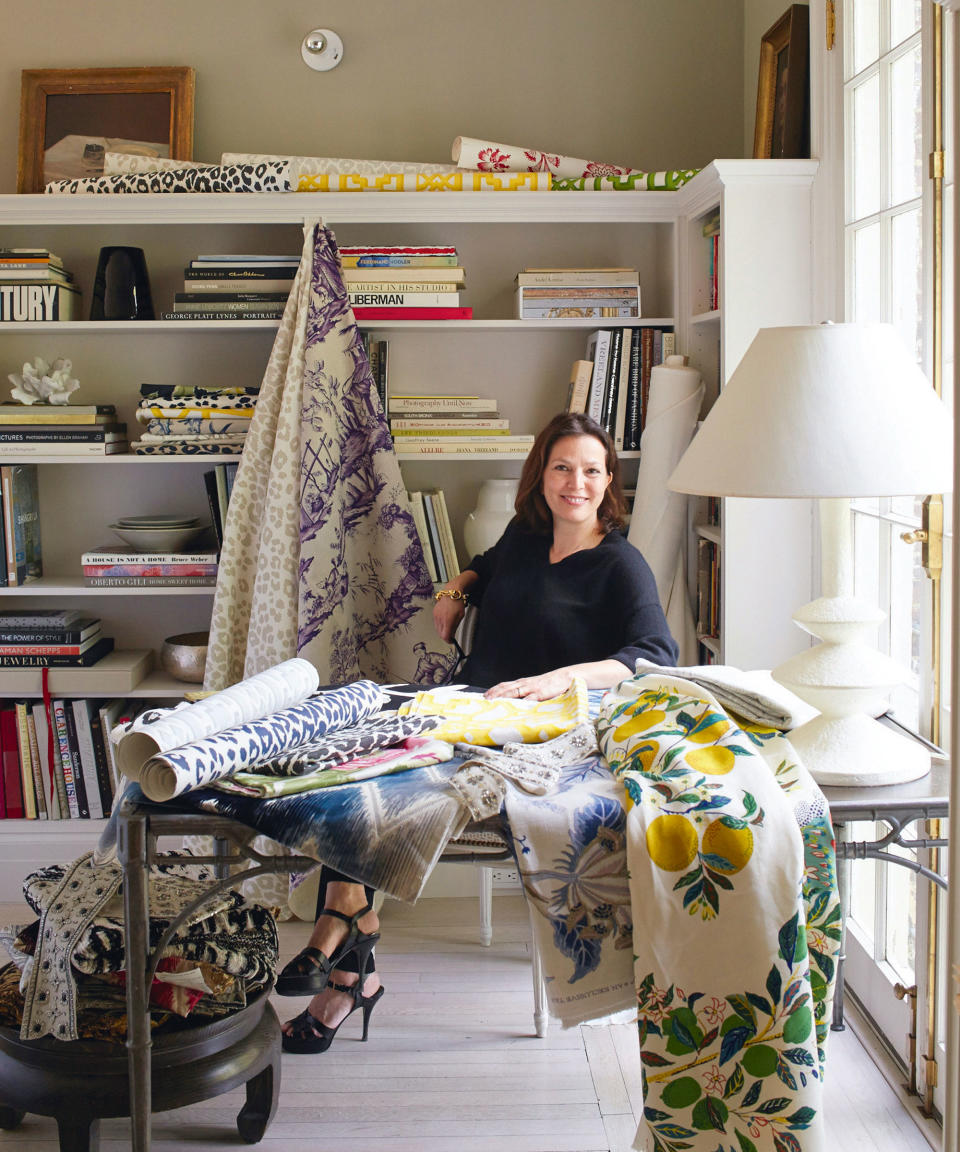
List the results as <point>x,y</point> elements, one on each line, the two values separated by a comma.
<point>138,829</point>
<point>898,806</point>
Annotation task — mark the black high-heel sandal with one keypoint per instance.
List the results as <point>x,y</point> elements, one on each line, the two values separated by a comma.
<point>309,971</point>
<point>310,1036</point>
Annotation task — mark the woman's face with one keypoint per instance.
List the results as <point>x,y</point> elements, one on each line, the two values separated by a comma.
<point>575,479</point>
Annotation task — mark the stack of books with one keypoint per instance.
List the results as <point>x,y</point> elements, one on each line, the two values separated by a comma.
<point>119,567</point>
<point>429,511</point>
<point>218,484</point>
<point>22,554</point>
<point>707,297</point>
<point>580,293</point>
<point>51,638</point>
<point>452,425</point>
<point>60,430</point>
<point>612,383</point>
<point>35,287</point>
<point>81,778</point>
<point>234,287</point>
<point>391,282</point>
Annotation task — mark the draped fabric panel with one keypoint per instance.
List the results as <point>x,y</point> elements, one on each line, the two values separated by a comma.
<point>321,557</point>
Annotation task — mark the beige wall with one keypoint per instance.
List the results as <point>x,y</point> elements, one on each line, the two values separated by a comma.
<point>649,83</point>
<point>758,16</point>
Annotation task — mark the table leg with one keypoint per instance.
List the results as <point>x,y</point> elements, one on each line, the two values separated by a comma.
<point>132,849</point>
<point>842,835</point>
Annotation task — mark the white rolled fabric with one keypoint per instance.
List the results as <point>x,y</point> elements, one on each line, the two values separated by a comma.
<point>320,165</point>
<point>281,686</point>
<point>487,156</point>
<point>658,526</point>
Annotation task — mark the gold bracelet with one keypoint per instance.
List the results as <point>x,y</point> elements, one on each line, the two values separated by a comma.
<point>453,593</point>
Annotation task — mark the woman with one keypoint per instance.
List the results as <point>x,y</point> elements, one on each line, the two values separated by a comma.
<point>561,594</point>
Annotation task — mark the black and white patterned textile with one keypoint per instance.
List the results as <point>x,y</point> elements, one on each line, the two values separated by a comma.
<point>178,770</point>
<point>81,930</point>
<point>269,177</point>
<point>199,391</point>
<point>176,447</point>
<point>195,403</point>
<point>198,426</point>
<point>382,731</point>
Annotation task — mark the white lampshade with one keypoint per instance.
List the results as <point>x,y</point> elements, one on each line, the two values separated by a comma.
<point>819,411</point>
<point>830,411</point>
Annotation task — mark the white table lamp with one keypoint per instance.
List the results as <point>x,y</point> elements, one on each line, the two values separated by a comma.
<point>830,412</point>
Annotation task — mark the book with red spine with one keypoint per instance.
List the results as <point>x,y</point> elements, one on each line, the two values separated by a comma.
<point>413,313</point>
<point>10,752</point>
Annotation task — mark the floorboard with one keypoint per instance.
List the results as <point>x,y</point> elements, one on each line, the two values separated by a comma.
<point>452,1062</point>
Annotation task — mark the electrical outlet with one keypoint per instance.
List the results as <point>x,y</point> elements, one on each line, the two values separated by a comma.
<point>505,877</point>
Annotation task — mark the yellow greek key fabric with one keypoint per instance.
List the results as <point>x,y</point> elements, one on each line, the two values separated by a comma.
<point>461,181</point>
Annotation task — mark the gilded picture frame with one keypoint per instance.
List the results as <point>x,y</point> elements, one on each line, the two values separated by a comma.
<point>782,128</point>
<point>70,116</point>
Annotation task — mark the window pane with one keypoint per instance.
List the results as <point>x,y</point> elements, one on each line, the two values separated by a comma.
<point>901,919</point>
<point>946,635</point>
<point>866,551</point>
<point>866,148</point>
<point>863,884</point>
<point>906,244</point>
<point>905,126</point>
<point>905,575</point>
<point>904,20</point>
<point>866,275</point>
<point>866,33</point>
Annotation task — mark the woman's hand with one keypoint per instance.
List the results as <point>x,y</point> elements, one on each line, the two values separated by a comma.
<point>447,614</point>
<point>543,687</point>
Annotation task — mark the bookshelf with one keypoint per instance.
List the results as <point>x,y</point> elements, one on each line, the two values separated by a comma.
<point>764,242</point>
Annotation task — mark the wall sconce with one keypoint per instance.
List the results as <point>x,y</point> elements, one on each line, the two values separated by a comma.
<point>321,49</point>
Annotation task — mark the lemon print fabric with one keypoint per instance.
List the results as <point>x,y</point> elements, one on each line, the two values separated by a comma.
<point>470,718</point>
<point>672,842</point>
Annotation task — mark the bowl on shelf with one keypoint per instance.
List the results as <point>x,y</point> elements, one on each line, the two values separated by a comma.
<point>158,539</point>
<point>158,521</point>
<point>184,657</point>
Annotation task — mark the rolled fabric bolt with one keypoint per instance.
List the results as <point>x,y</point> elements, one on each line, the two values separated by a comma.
<point>278,687</point>
<point>195,765</point>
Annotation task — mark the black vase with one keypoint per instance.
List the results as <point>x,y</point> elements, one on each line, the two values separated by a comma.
<point>121,289</point>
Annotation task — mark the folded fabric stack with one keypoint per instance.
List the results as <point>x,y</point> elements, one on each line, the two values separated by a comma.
<point>190,420</point>
<point>222,956</point>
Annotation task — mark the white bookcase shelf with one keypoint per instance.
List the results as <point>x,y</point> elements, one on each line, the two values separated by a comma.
<point>525,364</point>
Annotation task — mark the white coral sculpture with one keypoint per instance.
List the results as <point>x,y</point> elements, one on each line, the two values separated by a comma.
<point>43,383</point>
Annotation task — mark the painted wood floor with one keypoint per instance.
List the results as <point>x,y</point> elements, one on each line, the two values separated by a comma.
<point>452,1063</point>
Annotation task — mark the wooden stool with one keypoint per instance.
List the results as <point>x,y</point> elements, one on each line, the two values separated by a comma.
<point>78,1082</point>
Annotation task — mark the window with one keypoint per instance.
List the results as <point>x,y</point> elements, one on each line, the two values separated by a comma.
<point>895,272</point>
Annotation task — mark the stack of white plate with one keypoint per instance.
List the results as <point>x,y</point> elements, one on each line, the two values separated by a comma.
<point>158,533</point>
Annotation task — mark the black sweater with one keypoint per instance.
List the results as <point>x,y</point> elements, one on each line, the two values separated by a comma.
<point>535,616</point>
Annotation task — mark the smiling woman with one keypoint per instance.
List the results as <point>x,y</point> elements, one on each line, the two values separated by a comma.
<point>562,593</point>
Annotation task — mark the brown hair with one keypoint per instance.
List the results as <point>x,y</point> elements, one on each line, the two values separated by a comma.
<point>532,510</point>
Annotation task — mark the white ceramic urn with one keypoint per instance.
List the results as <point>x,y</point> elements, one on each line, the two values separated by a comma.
<point>484,526</point>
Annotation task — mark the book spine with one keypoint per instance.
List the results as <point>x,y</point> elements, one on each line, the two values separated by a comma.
<point>6,482</point>
<point>126,556</point>
<point>36,449</point>
<point>101,766</point>
<point>439,407</point>
<point>66,761</point>
<point>150,581</point>
<point>47,745</point>
<point>46,649</point>
<point>413,313</point>
<point>211,314</point>
<point>397,250</point>
<point>464,424</point>
<point>633,419</point>
<point>420,290</point>
<point>420,521</point>
<point>646,367</point>
<point>26,768</point>
<point>36,303</point>
<point>601,352</point>
<point>42,619</point>
<point>623,388</point>
<point>210,486</point>
<point>86,758</point>
<point>401,434</point>
<point>571,278</point>
<point>12,786</point>
<point>434,535</point>
<point>363,298</point>
<point>147,570</point>
<point>611,380</point>
<point>36,764</point>
<point>492,449</point>
<point>668,345</point>
<point>577,311</point>
<point>447,541</point>
<point>224,299</point>
<point>76,766</point>
<point>260,272</point>
<point>580,376</point>
<point>102,646</point>
<point>214,287</point>
<point>47,434</point>
<point>530,294</point>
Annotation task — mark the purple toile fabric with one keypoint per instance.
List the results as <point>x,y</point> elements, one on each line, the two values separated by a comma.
<point>321,556</point>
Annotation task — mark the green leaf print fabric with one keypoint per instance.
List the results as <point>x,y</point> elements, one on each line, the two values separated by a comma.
<point>736,921</point>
